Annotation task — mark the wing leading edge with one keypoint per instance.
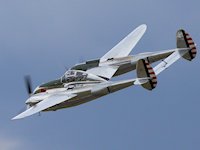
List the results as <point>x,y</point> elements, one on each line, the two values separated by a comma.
<point>46,103</point>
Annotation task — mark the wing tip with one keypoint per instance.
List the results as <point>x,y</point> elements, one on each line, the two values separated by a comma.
<point>16,117</point>
<point>19,116</point>
<point>143,26</point>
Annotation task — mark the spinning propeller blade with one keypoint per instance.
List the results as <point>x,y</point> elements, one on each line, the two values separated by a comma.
<point>28,84</point>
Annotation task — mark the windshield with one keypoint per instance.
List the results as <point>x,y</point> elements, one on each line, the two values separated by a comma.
<point>73,75</point>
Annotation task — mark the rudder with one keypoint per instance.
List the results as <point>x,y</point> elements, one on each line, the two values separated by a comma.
<point>144,69</point>
<point>184,40</point>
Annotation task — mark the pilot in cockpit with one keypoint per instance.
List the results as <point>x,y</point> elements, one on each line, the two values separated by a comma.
<point>73,75</point>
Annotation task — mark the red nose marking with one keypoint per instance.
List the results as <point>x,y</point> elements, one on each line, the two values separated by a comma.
<point>42,90</point>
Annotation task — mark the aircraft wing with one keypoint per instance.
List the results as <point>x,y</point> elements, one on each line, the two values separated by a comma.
<point>46,103</point>
<point>103,71</point>
<point>124,47</point>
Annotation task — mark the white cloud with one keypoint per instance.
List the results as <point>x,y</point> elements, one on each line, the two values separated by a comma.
<point>9,143</point>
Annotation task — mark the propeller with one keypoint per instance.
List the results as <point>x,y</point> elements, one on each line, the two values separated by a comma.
<point>28,84</point>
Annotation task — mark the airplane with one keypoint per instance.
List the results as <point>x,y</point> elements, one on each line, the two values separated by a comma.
<point>90,80</point>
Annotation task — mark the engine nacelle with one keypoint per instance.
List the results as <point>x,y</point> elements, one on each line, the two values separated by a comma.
<point>100,90</point>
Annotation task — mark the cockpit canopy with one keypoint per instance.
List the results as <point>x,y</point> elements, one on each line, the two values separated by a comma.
<point>69,76</point>
<point>74,75</point>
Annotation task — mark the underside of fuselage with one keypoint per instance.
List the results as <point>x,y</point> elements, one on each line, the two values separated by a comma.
<point>81,98</point>
<point>73,102</point>
<point>92,93</point>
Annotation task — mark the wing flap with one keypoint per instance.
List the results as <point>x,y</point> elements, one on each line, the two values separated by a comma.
<point>104,71</point>
<point>46,103</point>
<point>118,85</point>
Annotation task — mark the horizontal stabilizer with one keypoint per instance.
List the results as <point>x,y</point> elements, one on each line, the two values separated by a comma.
<point>179,53</point>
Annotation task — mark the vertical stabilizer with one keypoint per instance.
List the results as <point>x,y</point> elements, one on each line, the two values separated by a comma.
<point>184,40</point>
<point>144,69</point>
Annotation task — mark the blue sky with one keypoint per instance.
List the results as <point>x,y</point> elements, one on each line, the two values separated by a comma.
<point>42,37</point>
